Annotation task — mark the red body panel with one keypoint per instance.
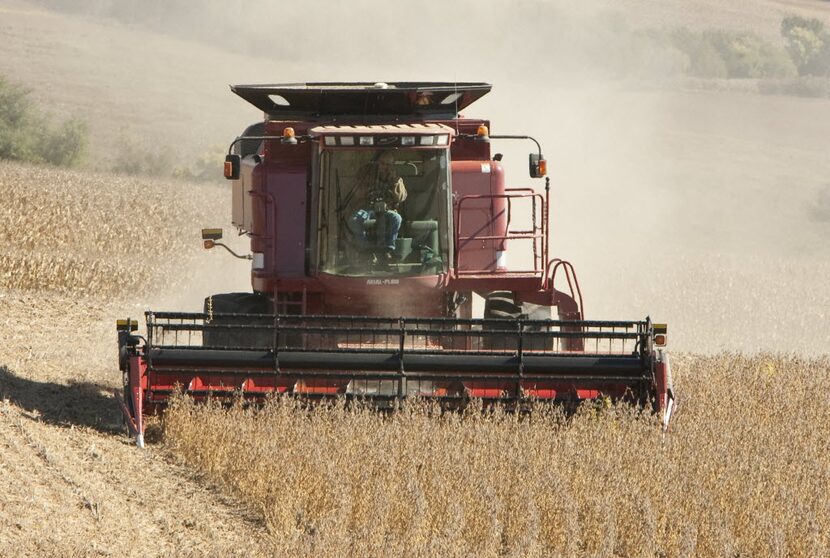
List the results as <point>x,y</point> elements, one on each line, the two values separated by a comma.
<point>478,217</point>
<point>279,208</point>
<point>396,296</point>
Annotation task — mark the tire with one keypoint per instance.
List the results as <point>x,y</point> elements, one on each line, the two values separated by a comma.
<point>499,305</point>
<point>537,312</point>
<point>502,305</point>
<point>237,303</point>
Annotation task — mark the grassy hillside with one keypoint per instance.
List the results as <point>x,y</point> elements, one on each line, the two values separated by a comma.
<point>131,86</point>
<point>157,75</point>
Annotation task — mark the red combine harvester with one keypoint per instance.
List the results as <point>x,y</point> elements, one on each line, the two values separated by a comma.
<point>375,212</point>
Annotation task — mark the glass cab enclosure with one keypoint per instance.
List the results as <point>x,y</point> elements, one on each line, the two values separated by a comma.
<point>383,212</point>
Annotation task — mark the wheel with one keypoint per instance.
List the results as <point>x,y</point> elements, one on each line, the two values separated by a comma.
<point>537,312</point>
<point>502,305</point>
<point>217,307</point>
<point>499,305</point>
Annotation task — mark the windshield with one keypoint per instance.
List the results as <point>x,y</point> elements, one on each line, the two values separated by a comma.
<point>384,212</point>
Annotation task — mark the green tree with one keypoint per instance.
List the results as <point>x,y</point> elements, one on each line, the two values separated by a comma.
<point>66,145</point>
<point>808,44</point>
<point>28,135</point>
<point>749,56</point>
<point>704,59</point>
<point>15,120</point>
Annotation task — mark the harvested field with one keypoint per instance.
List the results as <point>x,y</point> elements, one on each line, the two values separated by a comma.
<point>75,490</point>
<point>72,484</point>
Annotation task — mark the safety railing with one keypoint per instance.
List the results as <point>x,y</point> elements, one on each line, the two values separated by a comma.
<point>575,292</point>
<point>537,234</point>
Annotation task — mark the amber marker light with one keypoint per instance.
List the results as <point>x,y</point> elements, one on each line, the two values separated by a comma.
<point>660,333</point>
<point>483,134</point>
<point>288,136</point>
<point>228,169</point>
<point>543,167</point>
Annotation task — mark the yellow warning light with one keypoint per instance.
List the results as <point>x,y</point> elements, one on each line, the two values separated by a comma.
<point>288,136</point>
<point>660,340</point>
<point>483,134</point>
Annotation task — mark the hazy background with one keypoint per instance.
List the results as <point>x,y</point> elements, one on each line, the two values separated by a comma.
<point>698,201</point>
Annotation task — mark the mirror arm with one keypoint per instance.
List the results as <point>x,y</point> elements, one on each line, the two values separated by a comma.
<point>261,138</point>
<point>538,147</point>
<point>240,256</point>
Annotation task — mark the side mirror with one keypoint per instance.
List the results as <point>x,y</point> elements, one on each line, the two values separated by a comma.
<point>538,166</point>
<point>232,163</point>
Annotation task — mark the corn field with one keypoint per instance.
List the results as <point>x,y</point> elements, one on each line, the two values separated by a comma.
<point>82,233</point>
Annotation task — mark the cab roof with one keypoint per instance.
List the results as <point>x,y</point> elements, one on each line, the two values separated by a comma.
<point>419,100</point>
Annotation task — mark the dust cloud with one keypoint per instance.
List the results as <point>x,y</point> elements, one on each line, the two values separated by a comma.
<point>707,209</point>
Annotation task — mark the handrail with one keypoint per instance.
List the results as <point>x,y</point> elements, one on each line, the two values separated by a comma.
<point>532,235</point>
<point>570,276</point>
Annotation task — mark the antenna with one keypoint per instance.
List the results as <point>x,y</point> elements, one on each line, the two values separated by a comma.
<point>455,102</point>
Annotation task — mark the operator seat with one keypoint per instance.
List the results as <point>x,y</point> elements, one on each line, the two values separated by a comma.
<point>424,234</point>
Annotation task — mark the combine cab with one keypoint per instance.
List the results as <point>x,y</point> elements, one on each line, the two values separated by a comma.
<point>375,211</point>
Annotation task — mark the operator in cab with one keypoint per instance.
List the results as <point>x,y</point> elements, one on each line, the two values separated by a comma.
<point>384,194</point>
